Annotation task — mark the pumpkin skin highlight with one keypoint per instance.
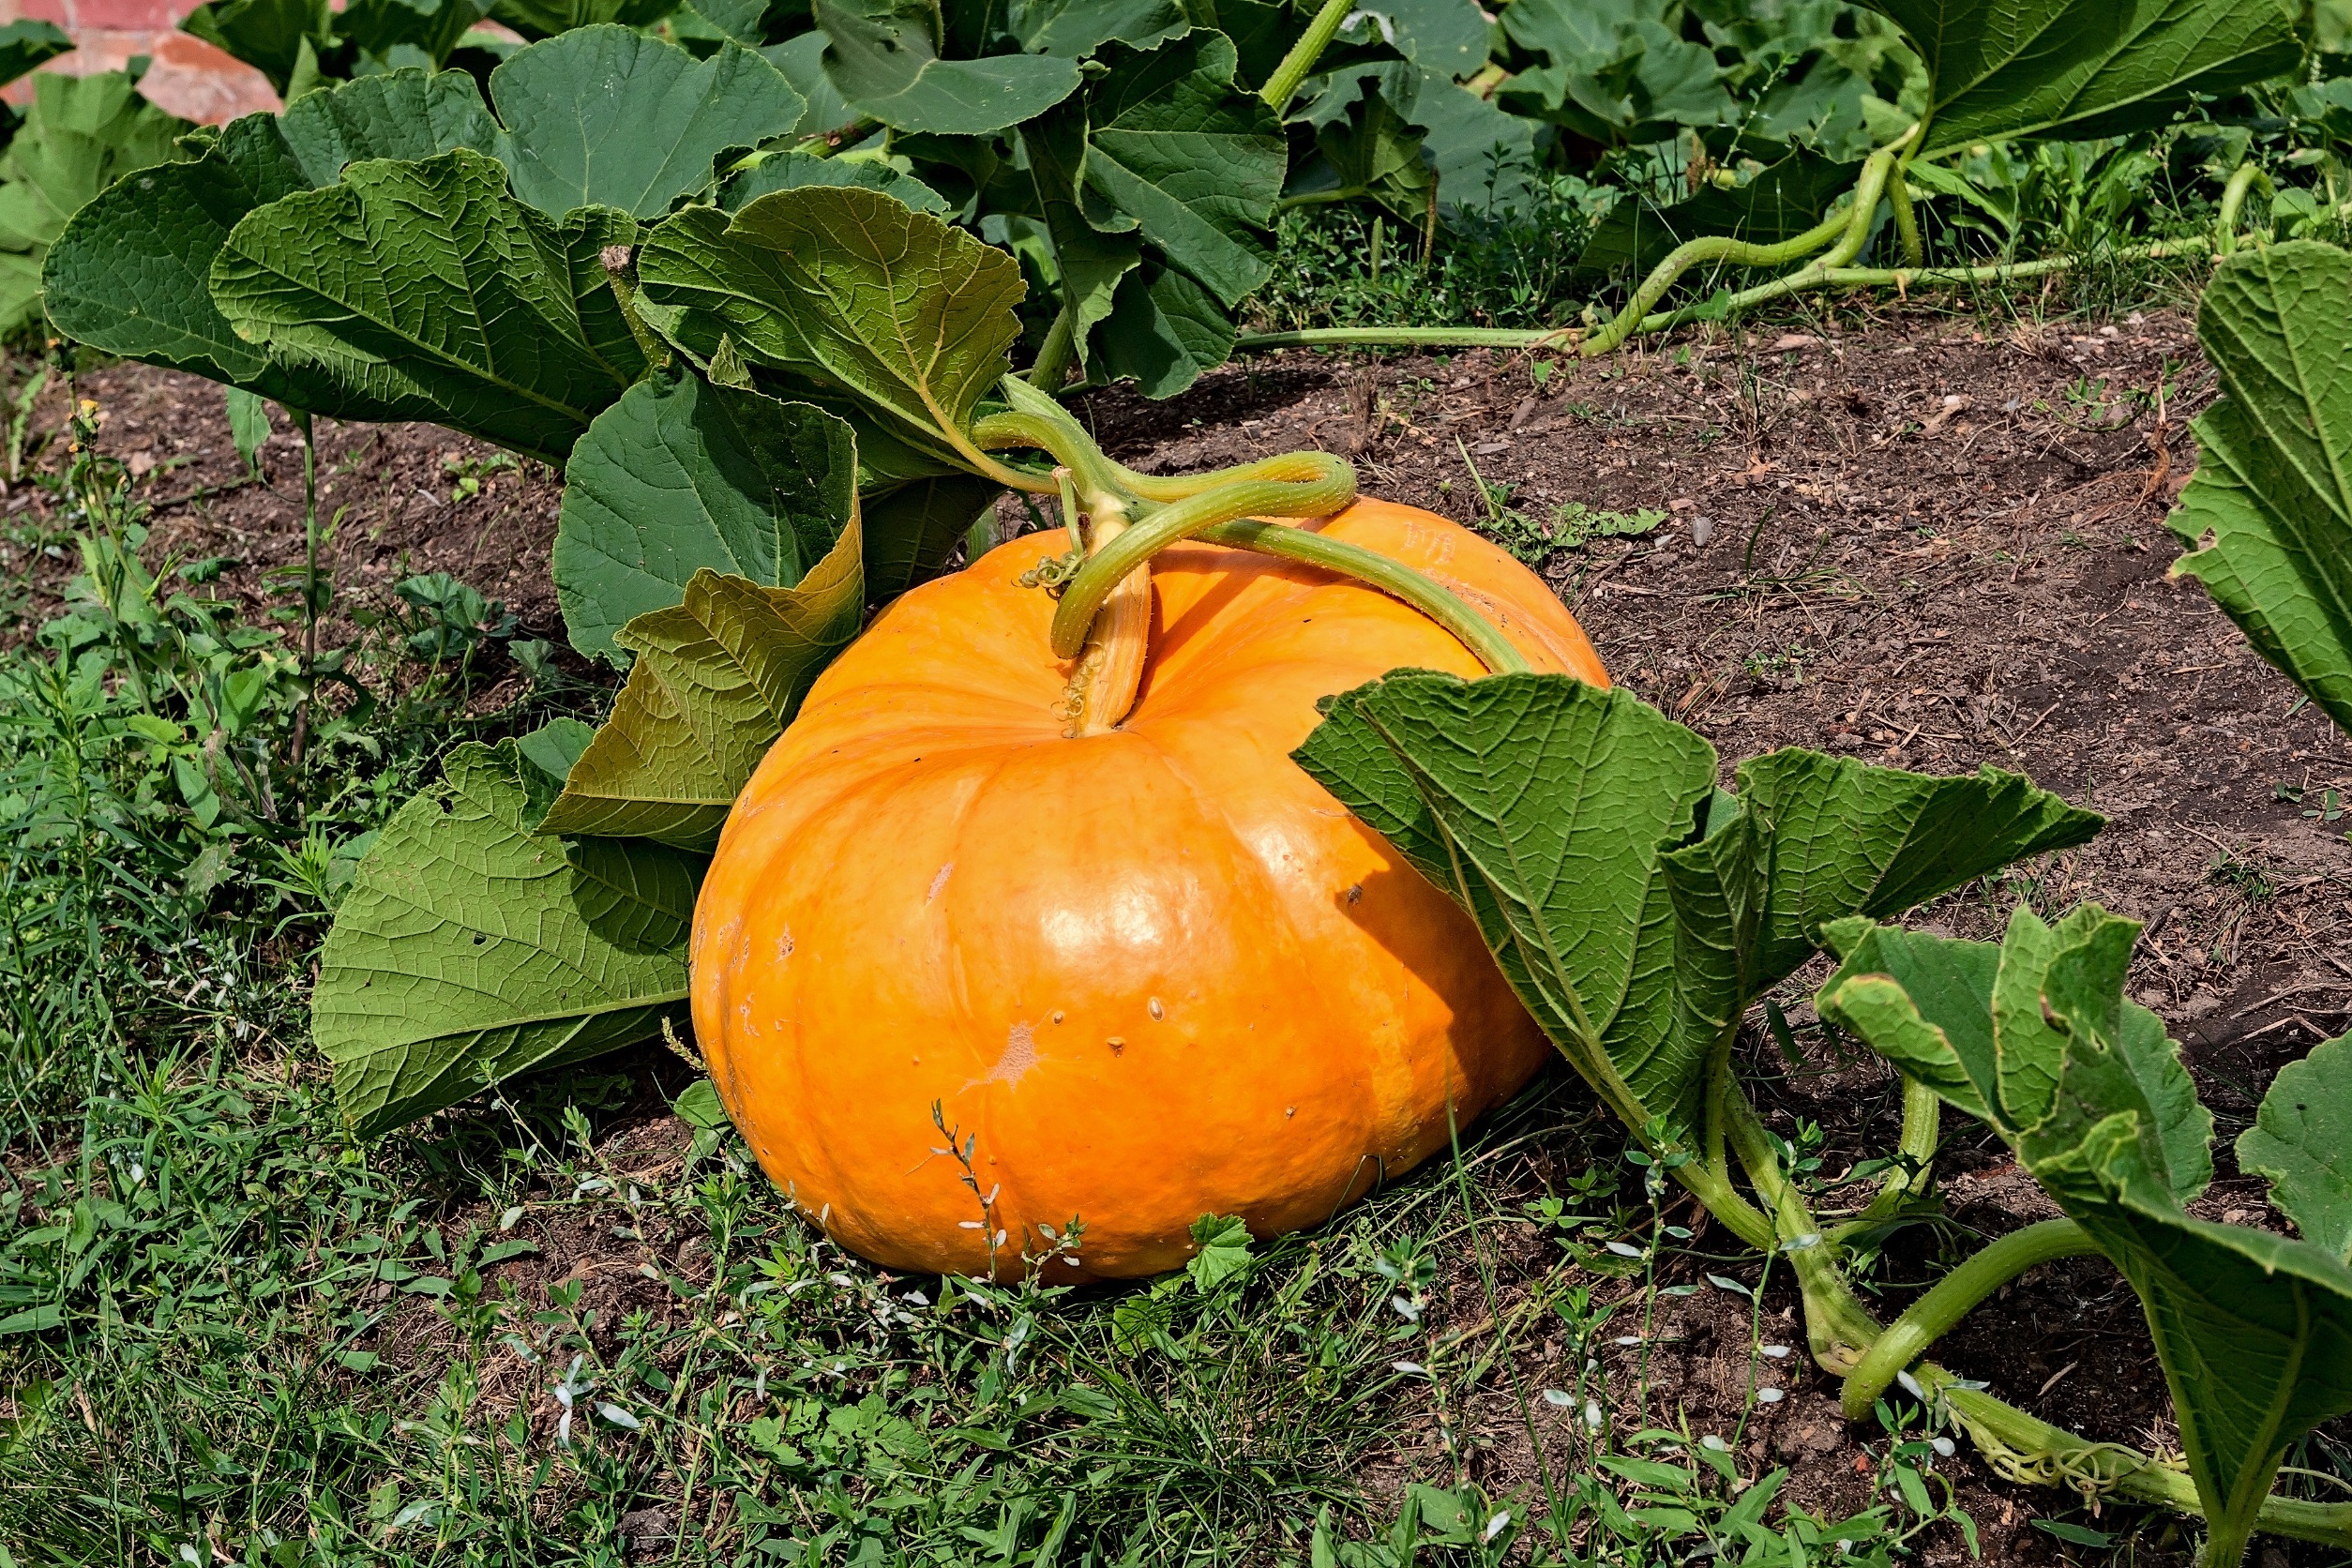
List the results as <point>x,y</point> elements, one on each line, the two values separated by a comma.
<point>1157,973</point>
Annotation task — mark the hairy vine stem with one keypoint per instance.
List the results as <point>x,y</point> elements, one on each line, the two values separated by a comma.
<point>1934,1314</point>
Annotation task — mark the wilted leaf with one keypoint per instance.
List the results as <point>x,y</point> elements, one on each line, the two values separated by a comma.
<point>607,116</point>
<point>845,288</point>
<point>884,60</point>
<point>2301,1139</point>
<point>131,273</point>
<point>469,950</point>
<point>424,291</point>
<point>2255,1329</point>
<point>714,682</point>
<point>2083,68</point>
<point>680,475</point>
<point>2270,507</point>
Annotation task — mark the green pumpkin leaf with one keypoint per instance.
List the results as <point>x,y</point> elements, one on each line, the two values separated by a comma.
<point>1164,333</point>
<point>801,60</point>
<point>1090,259</point>
<point>1198,165</point>
<point>714,681</point>
<point>1638,912</point>
<point>911,529</point>
<point>1618,71</point>
<point>1077,28</point>
<point>547,18</point>
<point>884,61</point>
<point>2255,1329</point>
<point>2301,1140</point>
<point>787,170</point>
<point>607,116</point>
<point>386,34</point>
<point>681,475</point>
<point>131,273</point>
<point>2269,511</point>
<point>268,34</point>
<point>840,289</point>
<point>2084,68</point>
<point>424,291</point>
<point>80,135</point>
<point>24,44</point>
<point>1372,152</point>
<point>469,949</point>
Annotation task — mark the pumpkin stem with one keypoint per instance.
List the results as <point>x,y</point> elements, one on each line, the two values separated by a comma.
<point>1111,661</point>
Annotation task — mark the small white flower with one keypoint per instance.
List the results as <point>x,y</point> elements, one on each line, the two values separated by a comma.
<point>918,1297</point>
<point>1592,1414</point>
<point>1778,1352</point>
<point>1770,1396</point>
<point>1408,1310</point>
<point>843,1280</point>
<point>1410,1368</point>
<point>1494,1526</point>
<point>1558,1397</point>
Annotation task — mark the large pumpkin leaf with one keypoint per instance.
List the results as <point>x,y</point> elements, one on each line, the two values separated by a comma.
<point>2081,69</point>
<point>714,682</point>
<point>1568,820</point>
<point>681,475</point>
<point>885,59</point>
<point>2301,1140</point>
<point>131,273</point>
<point>801,60</point>
<point>80,135</point>
<point>1164,331</point>
<point>424,291</point>
<point>840,289</point>
<point>1090,259</point>
<point>2255,1329</point>
<point>606,117</point>
<point>470,949</point>
<point>2270,507</point>
<point>1618,71</point>
<point>1196,164</point>
<point>388,35</point>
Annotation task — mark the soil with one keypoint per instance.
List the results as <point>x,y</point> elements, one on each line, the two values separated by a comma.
<point>1918,540</point>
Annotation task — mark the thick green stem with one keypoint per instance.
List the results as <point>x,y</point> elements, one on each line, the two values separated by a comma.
<point>1690,254</point>
<point>1838,1328</point>
<point>1037,420</point>
<point>2242,180</point>
<point>1284,83</point>
<point>1923,1128</point>
<point>1055,353</point>
<point>1313,485</point>
<point>1905,220</point>
<point>1432,599</point>
<point>2024,1448</point>
<point>1410,337</point>
<point>1930,1318</point>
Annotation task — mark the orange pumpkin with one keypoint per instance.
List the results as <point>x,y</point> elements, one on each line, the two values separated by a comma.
<point>1152,973</point>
